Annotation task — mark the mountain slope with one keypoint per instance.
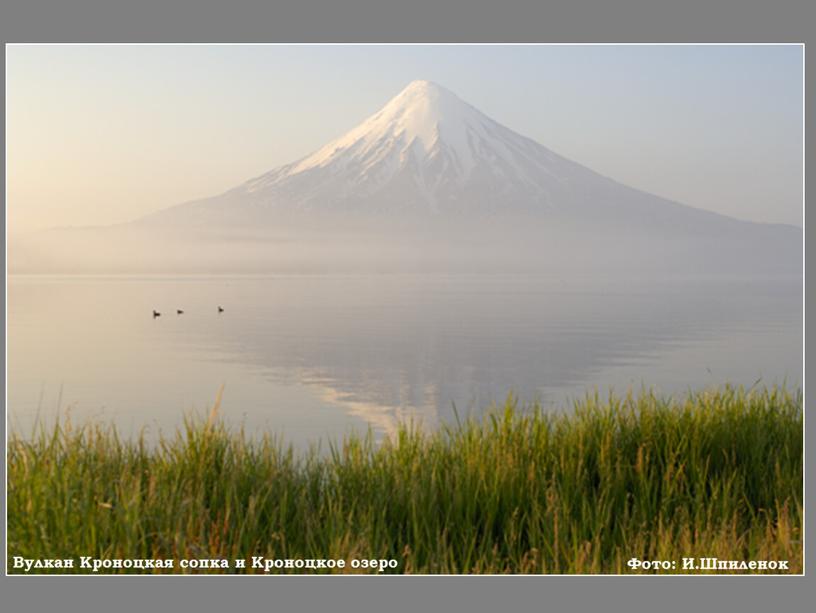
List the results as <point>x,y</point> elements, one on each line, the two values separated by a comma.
<point>426,152</point>
<point>429,178</point>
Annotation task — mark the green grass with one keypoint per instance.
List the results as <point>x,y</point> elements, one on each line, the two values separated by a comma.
<point>717,474</point>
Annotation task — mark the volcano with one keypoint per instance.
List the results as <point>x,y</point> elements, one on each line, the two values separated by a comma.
<point>428,152</point>
<point>434,174</point>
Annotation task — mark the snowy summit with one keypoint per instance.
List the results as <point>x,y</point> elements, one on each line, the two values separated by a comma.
<point>429,160</point>
<point>425,150</point>
<point>430,182</point>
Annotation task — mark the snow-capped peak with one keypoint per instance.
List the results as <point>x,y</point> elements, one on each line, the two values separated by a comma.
<point>419,116</point>
<point>426,149</point>
<point>416,119</point>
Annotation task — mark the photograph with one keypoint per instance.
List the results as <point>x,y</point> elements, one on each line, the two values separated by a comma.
<point>404,309</point>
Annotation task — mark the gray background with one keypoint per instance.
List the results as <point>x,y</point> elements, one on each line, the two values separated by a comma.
<point>419,21</point>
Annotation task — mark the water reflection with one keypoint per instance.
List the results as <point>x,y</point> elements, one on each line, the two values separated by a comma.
<point>315,356</point>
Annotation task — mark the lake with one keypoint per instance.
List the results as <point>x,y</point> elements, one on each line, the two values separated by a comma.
<point>314,357</point>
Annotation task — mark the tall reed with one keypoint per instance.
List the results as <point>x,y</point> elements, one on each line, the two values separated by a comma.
<point>714,474</point>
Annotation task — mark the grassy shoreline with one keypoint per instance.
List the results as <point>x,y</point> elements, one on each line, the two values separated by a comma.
<point>717,474</point>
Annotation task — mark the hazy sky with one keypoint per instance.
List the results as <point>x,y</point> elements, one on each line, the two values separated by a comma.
<point>102,134</point>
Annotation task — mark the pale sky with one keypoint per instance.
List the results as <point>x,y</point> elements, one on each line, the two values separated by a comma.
<point>104,134</point>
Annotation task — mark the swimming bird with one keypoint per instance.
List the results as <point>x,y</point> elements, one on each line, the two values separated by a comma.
<point>156,314</point>
<point>179,312</point>
<point>220,309</point>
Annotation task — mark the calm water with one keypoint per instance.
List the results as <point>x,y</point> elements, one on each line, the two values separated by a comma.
<point>313,357</point>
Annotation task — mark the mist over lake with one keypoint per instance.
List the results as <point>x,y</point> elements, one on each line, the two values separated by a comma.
<point>315,356</point>
<point>420,267</point>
